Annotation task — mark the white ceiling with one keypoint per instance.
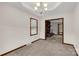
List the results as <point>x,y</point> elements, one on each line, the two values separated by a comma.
<point>53,7</point>
<point>64,7</point>
<point>31,5</point>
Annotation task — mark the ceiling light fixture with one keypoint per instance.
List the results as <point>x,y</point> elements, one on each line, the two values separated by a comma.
<point>38,4</point>
<point>41,7</point>
<point>45,9</point>
<point>45,4</point>
<point>35,8</point>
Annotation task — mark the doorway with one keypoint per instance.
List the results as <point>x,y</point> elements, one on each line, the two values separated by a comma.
<point>54,27</point>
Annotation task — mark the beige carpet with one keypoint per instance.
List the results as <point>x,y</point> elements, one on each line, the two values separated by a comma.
<point>50,47</point>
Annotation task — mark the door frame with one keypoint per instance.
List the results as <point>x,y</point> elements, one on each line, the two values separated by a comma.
<point>62,27</point>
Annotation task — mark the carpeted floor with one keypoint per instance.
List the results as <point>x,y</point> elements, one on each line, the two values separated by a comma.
<point>50,47</point>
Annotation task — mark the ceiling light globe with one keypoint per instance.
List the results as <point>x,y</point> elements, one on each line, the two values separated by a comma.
<point>45,9</point>
<point>35,8</point>
<point>38,4</point>
<point>45,4</point>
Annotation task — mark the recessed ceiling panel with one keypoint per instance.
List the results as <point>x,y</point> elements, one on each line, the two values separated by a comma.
<point>32,5</point>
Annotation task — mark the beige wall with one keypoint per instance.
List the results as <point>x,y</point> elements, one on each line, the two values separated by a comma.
<point>14,28</point>
<point>76,27</point>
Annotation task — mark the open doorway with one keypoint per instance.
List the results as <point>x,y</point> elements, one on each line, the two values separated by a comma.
<point>54,28</point>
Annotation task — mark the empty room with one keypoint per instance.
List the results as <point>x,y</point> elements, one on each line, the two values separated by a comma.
<point>39,28</point>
